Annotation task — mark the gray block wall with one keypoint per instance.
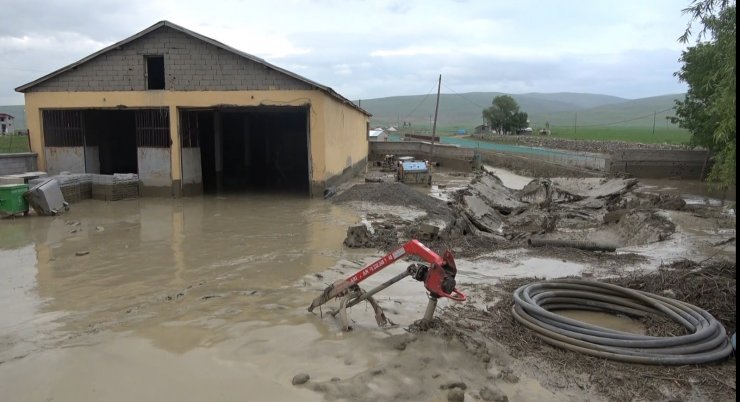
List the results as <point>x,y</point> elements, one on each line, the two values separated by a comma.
<point>17,163</point>
<point>154,168</point>
<point>666,163</point>
<point>65,159</point>
<point>190,65</point>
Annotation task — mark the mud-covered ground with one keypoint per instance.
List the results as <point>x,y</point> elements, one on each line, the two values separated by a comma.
<point>205,298</point>
<point>683,245</point>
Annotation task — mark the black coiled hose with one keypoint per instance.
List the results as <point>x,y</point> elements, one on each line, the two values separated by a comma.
<point>533,305</point>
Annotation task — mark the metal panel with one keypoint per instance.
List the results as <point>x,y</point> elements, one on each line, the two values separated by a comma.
<point>63,128</point>
<point>153,128</point>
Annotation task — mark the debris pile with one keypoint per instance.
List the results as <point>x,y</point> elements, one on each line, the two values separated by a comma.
<point>587,213</point>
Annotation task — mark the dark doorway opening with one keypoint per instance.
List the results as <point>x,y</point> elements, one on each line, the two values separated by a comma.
<point>261,148</point>
<point>113,132</point>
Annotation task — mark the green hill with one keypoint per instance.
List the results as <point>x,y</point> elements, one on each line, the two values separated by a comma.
<point>559,109</point>
<point>632,113</point>
<point>17,111</point>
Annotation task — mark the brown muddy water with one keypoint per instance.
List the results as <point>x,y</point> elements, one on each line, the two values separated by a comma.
<point>198,299</point>
<point>195,298</point>
<point>205,299</point>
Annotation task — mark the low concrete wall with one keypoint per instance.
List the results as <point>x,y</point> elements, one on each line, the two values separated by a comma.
<point>155,171</point>
<point>192,173</point>
<point>92,159</point>
<point>65,159</point>
<point>451,156</point>
<point>533,167</point>
<point>660,163</point>
<point>18,163</point>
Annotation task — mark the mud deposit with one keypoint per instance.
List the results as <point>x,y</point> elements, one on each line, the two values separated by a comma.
<point>710,285</point>
<point>205,298</point>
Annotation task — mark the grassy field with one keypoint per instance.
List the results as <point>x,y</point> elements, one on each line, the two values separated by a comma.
<point>644,135</point>
<point>13,143</point>
<point>670,135</point>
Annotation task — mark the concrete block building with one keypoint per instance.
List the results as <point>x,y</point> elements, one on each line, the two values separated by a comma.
<point>6,123</point>
<point>189,114</point>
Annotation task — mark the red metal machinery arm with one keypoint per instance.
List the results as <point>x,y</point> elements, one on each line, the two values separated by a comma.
<point>439,269</point>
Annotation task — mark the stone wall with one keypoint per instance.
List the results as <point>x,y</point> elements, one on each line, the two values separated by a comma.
<point>661,163</point>
<point>17,163</point>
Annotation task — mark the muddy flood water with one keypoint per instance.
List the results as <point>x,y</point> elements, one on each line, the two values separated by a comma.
<point>200,299</point>
<point>197,298</point>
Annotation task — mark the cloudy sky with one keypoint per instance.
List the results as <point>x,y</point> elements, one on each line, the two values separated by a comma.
<point>376,48</point>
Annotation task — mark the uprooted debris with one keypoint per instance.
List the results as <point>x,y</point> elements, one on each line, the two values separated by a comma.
<point>486,214</point>
<point>711,286</point>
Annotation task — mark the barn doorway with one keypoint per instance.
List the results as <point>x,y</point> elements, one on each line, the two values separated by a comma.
<point>252,149</point>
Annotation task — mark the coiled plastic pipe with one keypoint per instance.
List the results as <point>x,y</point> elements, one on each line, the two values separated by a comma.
<point>533,305</point>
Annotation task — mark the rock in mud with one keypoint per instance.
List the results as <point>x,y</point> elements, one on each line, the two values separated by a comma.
<point>358,236</point>
<point>428,232</point>
<point>644,227</point>
<point>300,379</point>
<point>671,202</point>
<point>492,393</point>
<point>508,375</point>
<point>454,384</point>
<point>615,216</point>
<point>543,192</point>
<point>456,395</point>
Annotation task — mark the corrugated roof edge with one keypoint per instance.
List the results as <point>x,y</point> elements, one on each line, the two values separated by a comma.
<point>206,39</point>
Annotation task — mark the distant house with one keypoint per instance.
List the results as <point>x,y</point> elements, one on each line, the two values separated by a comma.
<point>6,123</point>
<point>482,129</point>
<point>377,135</point>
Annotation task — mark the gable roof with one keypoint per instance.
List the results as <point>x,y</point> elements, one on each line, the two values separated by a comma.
<point>206,39</point>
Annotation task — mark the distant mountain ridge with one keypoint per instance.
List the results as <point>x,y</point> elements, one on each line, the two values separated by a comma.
<point>557,109</point>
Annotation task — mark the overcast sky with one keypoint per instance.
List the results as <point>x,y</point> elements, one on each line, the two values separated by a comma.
<point>369,49</point>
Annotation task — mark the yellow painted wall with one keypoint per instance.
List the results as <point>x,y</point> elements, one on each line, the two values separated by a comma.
<point>336,130</point>
<point>345,136</point>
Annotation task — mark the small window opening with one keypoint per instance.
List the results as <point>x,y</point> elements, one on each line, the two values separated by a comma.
<point>154,72</point>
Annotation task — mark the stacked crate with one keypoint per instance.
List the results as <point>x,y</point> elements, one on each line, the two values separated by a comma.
<point>115,187</point>
<point>75,187</point>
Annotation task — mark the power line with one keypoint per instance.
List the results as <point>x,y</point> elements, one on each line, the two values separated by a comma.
<point>422,101</point>
<point>461,95</point>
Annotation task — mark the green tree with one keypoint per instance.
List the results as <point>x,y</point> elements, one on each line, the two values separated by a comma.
<point>708,111</point>
<point>504,114</point>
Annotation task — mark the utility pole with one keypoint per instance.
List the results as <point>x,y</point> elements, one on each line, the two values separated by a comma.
<point>575,124</point>
<point>434,126</point>
<point>654,115</point>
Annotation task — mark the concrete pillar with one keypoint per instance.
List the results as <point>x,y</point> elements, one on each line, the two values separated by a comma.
<point>175,153</point>
<point>218,137</point>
